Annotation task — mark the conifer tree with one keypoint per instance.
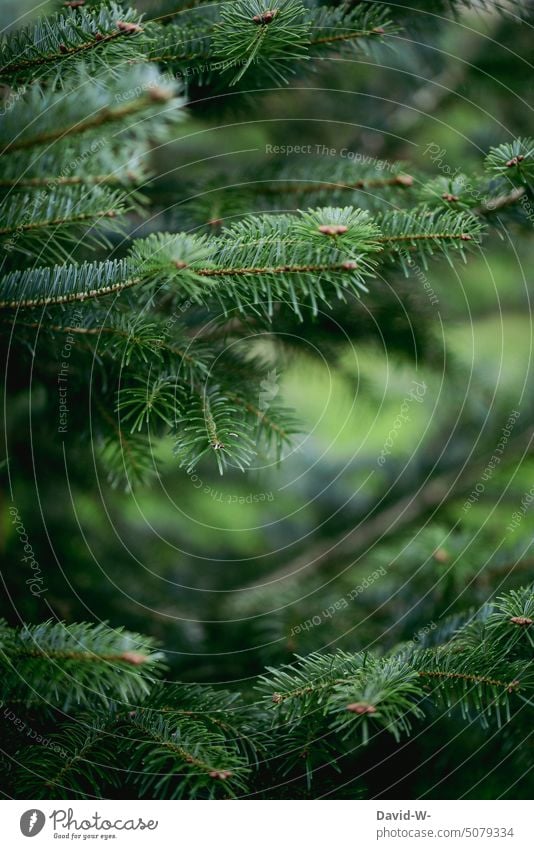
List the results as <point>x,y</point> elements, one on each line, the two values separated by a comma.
<point>131,306</point>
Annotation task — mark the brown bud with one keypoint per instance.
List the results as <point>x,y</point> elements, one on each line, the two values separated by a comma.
<point>63,48</point>
<point>215,222</point>
<point>350,265</point>
<point>99,36</point>
<point>404,180</point>
<point>179,263</point>
<point>127,27</point>
<point>277,698</point>
<point>449,197</point>
<point>378,30</point>
<point>465,237</point>
<point>332,229</point>
<point>221,773</point>
<point>266,17</point>
<point>515,161</point>
<point>441,555</point>
<point>133,657</point>
<point>361,708</point>
<point>159,94</point>
<point>523,621</point>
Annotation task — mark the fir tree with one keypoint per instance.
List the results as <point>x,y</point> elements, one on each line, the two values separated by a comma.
<point>129,324</point>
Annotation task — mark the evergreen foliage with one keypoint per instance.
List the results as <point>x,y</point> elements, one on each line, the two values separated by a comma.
<point>126,731</point>
<point>158,307</point>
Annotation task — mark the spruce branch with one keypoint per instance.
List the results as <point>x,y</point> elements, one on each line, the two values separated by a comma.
<point>46,47</point>
<point>209,423</point>
<point>513,160</point>
<point>79,762</point>
<point>269,39</point>
<point>251,31</point>
<point>93,110</point>
<point>129,178</point>
<point>156,398</point>
<point>64,284</point>
<point>62,665</point>
<point>348,26</point>
<point>129,458</point>
<point>188,740</point>
<point>423,232</point>
<point>172,757</point>
<point>62,216</point>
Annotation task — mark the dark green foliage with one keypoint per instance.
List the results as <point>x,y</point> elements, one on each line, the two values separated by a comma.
<point>186,740</point>
<point>392,615</point>
<point>63,665</point>
<point>47,46</point>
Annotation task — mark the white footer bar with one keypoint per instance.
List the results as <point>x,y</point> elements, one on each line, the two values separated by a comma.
<point>269,824</point>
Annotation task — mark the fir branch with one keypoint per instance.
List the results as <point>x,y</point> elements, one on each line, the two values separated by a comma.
<point>88,103</point>
<point>470,678</point>
<point>129,459</point>
<point>269,39</point>
<point>251,31</point>
<point>276,425</point>
<point>79,761</point>
<point>193,741</point>
<point>107,115</point>
<point>131,178</point>
<point>361,24</point>
<point>252,248</point>
<point>157,260</point>
<point>424,232</point>
<point>174,756</point>
<point>156,398</point>
<point>62,219</point>
<point>476,681</point>
<point>514,160</point>
<point>52,41</point>
<point>210,424</point>
<point>363,184</point>
<point>64,214</point>
<point>65,284</point>
<point>56,664</point>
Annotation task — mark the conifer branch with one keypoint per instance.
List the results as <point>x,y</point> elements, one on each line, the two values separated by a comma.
<point>52,42</point>
<point>402,180</point>
<point>192,740</point>
<point>86,180</point>
<point>510,686</point>
<point>108,115</point>
<point>145,367</point>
